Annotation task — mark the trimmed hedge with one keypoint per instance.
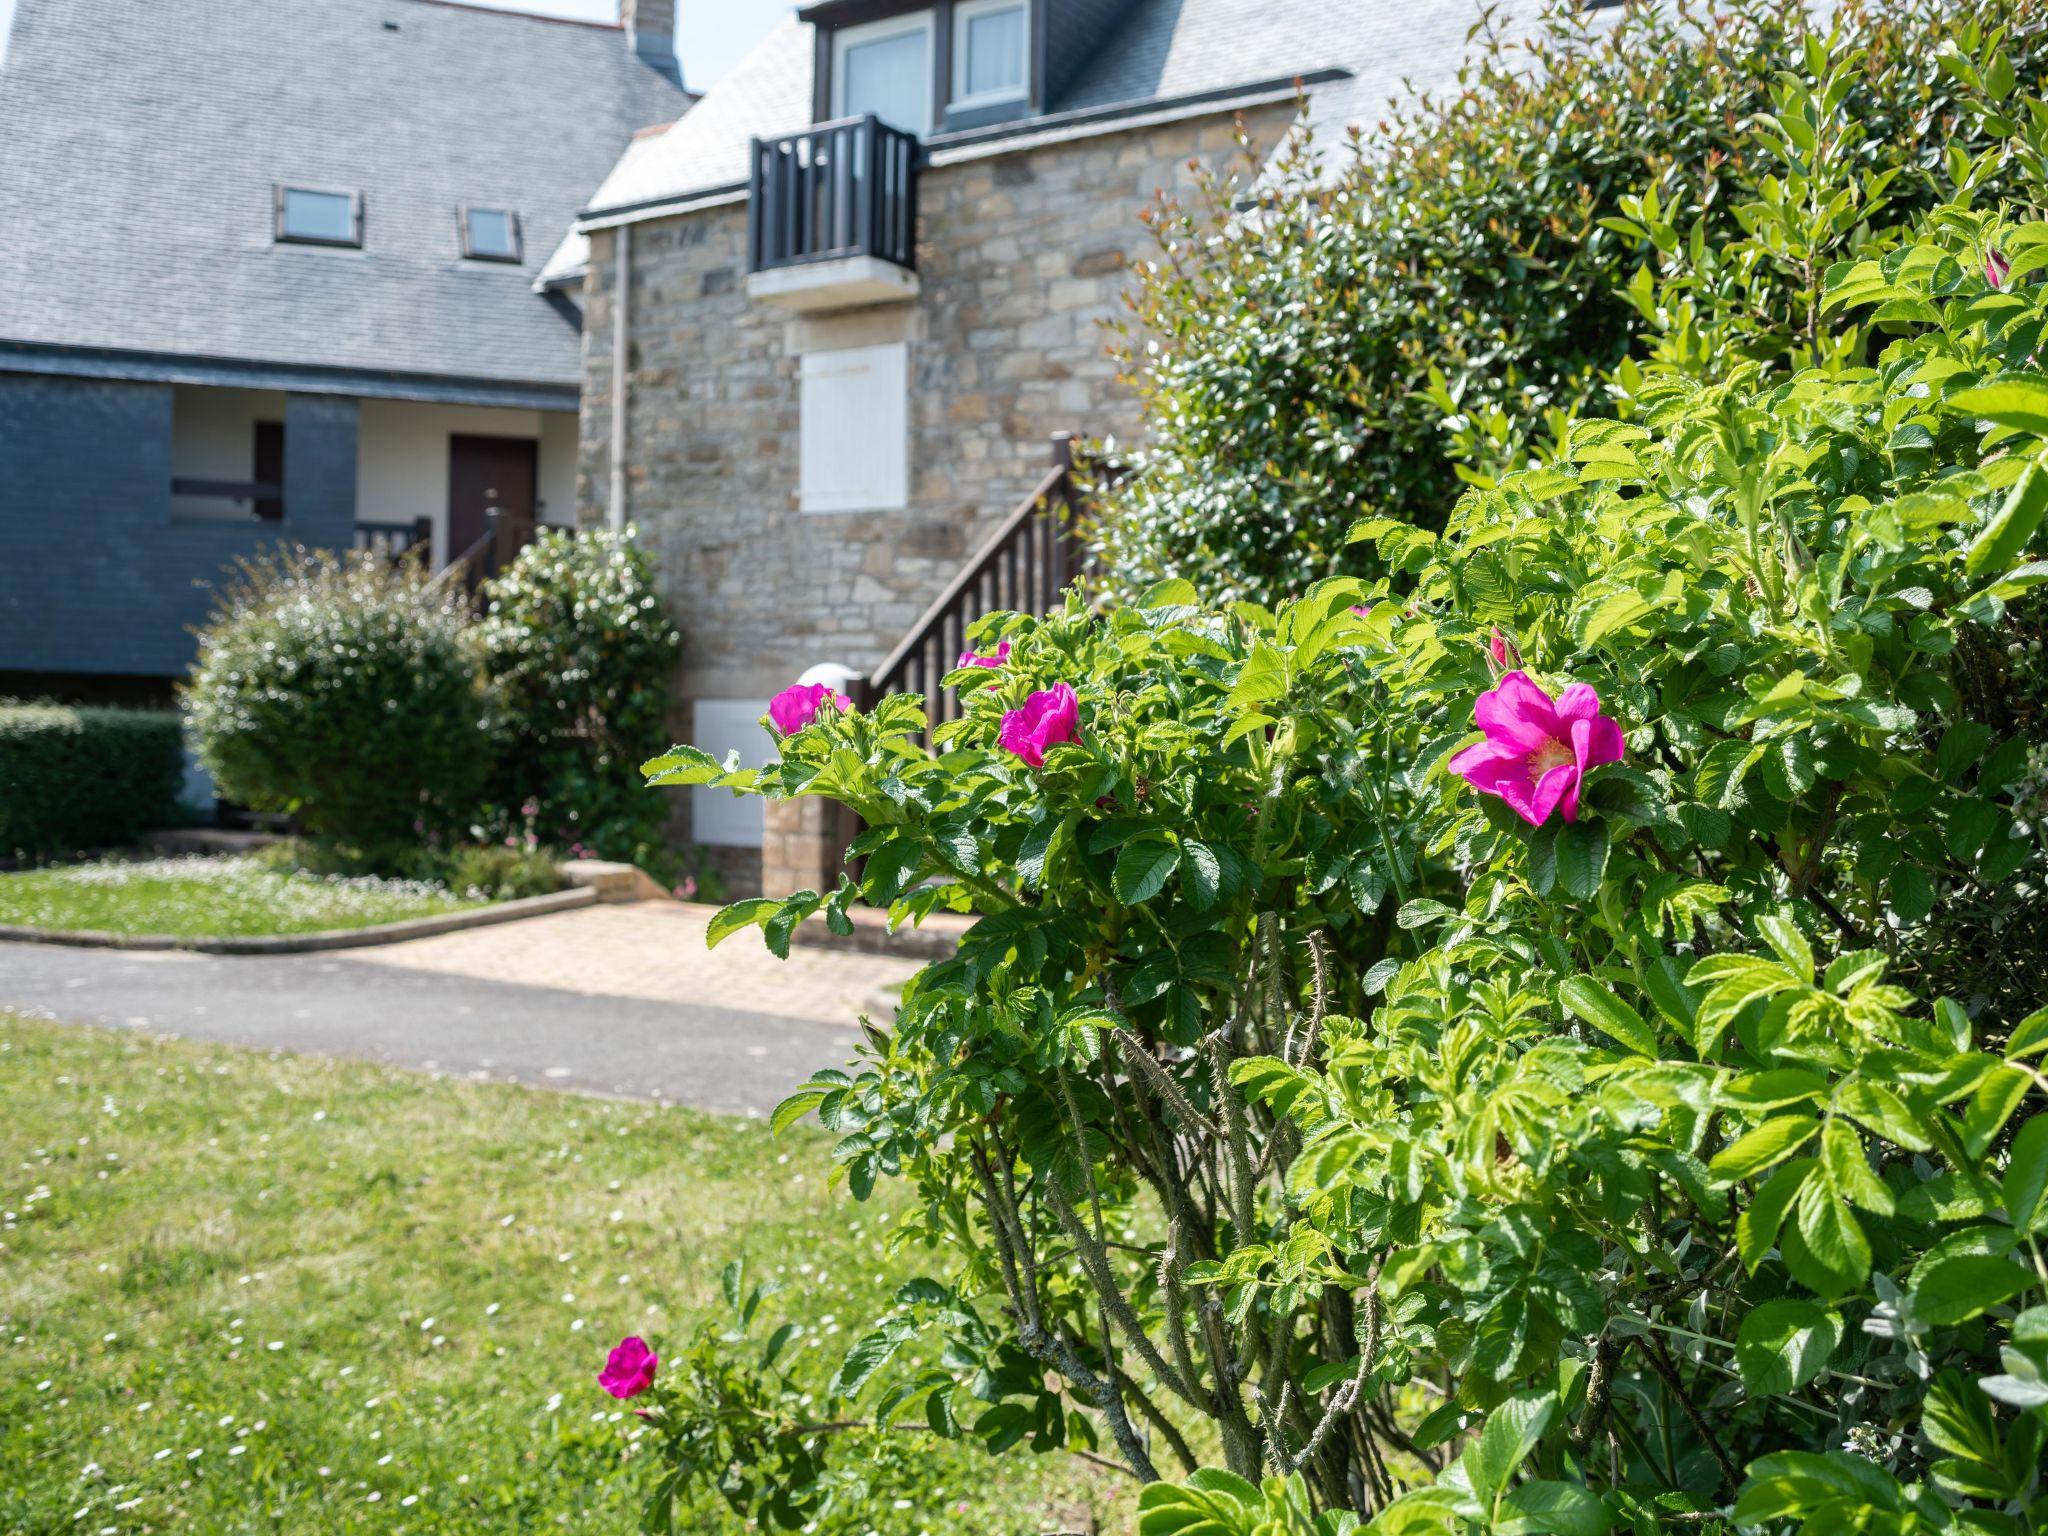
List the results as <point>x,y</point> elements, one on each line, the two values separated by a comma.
<point>85,778</point>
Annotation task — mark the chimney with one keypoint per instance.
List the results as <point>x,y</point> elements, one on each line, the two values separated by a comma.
<point>651,28</point>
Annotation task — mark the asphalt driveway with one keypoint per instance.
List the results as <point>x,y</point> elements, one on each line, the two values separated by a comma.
<point>612,1000</point>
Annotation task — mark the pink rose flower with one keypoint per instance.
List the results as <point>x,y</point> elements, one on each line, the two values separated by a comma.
<point>1996,268</point>
<point>1538,749</point>
<point>1361,610</point>
<point>1046,720</point>
<point>629,1370</point>
<point>1000,656</point>
<point>798,705</point>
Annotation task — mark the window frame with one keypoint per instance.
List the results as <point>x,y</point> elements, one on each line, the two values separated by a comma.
<point>845,39</point>
<point>280,235</point>
<point>964,12</point>
<point>469,250</point>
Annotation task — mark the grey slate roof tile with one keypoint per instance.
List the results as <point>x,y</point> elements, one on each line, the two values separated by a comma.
<point>142,139</point>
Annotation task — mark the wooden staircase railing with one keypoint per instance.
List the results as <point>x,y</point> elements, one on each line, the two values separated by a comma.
<point>1025,567</point>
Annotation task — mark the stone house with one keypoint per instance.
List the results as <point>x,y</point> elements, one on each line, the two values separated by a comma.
<point>267,275</point>
<point>837,314</point>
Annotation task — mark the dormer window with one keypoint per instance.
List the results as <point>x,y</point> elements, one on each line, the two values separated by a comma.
<point>988,52</point>
<point>310,216</point>
<point>885,68</point>
<point>490,234</point>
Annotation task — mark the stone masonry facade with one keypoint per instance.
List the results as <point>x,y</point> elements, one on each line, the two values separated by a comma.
<point>1021,257</point>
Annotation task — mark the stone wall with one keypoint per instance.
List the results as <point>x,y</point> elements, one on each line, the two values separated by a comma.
<point>1021,260</point>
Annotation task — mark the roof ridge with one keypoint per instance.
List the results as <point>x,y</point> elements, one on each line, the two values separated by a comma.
<point>499,10</point>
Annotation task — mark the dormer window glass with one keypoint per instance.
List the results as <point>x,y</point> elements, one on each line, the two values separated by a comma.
<point>490,234</point>
<point>309,216</point>
<point>885,68</point>
<point>988,52</point>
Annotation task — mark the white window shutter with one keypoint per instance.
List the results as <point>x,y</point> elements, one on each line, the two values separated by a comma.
<point>855,439</point>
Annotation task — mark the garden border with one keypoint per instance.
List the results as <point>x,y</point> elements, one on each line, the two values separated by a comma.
<point>326,939</point>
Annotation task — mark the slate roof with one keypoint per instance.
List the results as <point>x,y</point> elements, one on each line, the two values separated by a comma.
<point>140,141</point>
<point>1363,53</point>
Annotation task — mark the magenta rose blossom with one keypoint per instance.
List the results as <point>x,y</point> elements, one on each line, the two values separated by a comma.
<point>1046,720</point>
<point>629,1370</point>
<point>1000,656</point>
<point>798,705</point>
<point>1996,268</point>
<point>1538,749</point>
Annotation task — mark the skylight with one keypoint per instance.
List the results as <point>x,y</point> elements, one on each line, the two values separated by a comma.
<point>308,216</point>
<point>490,234</point>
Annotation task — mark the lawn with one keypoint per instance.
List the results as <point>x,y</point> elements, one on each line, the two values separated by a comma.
<point>221,897</point>
<point>242,1292</point>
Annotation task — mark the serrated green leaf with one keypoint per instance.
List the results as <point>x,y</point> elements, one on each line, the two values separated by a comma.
<point>1599,1007</point>
<point>1143,867</point>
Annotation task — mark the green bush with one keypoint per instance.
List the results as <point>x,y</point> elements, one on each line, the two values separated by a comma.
<point>72,779</point>
<point>581,658</point>
<point>1396,321</point>
<point>345,692</point>
<point>1670,1157</point>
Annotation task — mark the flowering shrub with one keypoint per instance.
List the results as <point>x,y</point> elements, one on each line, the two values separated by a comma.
<point>1550,1039</point>
<point>344,692</point>
<point>580,655</point>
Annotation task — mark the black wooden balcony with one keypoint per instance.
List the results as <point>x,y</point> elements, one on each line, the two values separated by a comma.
<point>835,192</point>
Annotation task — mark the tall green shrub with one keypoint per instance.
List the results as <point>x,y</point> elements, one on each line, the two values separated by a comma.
<point>1394,320</point>
<point>346,692</point>
<point>72,779</point>
<point>581,658</point>
<point>1575,1123</point>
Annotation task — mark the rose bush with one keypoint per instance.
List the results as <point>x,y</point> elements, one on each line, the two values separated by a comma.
<point>1549,1039</point>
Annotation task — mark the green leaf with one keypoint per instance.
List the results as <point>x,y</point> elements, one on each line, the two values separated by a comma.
<point>1783,935</point>
<point>1784,1344</point>
<point>1564,1509</point>
<point>1582,858</point>
<point>2026,1175</point>
<point>1143,868</point>
<point>2012,400</point>
<point>2006,536</point>
<point>1511,1433</point>
<point>1956,1289</point>
<point>1766,1146</point>
<point>1756,1229</point>
<point>1599,1007</point>
<point>750,913</point>
<point>870,1355</point>
<point>795,1107</point>
<point>1202,872</point>
<point>1826,1249</point>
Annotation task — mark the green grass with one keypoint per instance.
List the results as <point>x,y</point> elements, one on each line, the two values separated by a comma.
<point>242,1292</point>
<point>226,897</point>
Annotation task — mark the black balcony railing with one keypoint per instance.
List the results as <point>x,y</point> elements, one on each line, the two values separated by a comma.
<point>836,190</point>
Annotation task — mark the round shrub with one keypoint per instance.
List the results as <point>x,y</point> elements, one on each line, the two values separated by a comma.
<point>580,656</point>
<point>344,692</point>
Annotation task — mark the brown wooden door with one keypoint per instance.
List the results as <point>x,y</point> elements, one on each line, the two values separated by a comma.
<point>487,472</point>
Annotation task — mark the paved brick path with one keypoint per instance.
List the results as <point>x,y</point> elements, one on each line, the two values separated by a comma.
<point>654,951</point>
<point>621,1000</point>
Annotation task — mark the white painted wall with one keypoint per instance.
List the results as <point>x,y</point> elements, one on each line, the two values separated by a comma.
<point>401,454</point>
<point>402,460</point>
<point>213,437</point>
<point>718,817</point>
